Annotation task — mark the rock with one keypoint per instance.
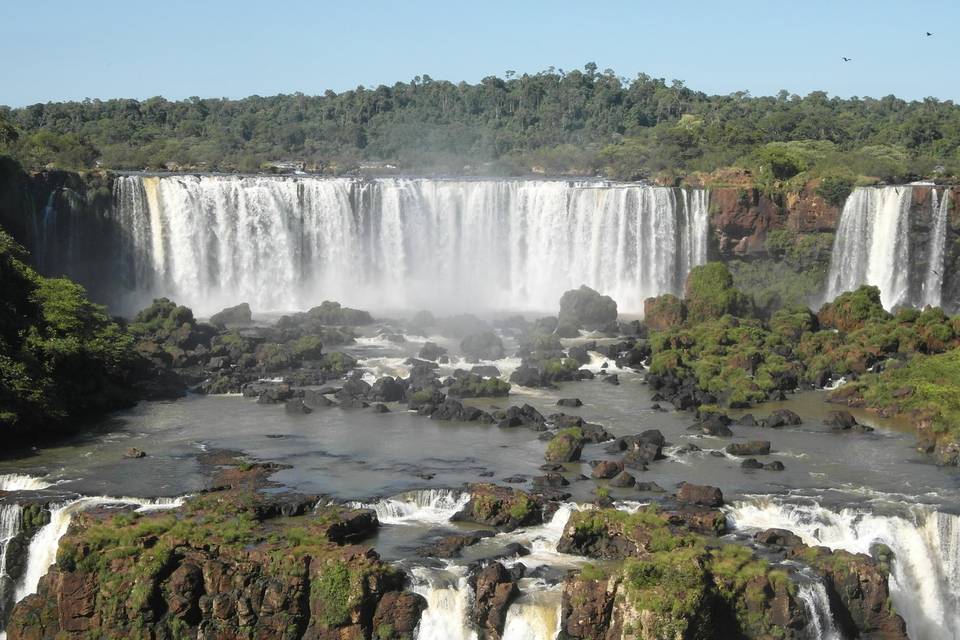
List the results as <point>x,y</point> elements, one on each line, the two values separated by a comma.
<point>780,418</point>
<point>622,480</point>
<point>715,424</point>
<point>450,546</point>
<point>238,316</point>
<point>495,588</point>
<point>585,308</point>
<point>840,420</point>
<point>379,407</point>
<point>399,612</point>
<point>386,389</point>
<point>134,453</point>
<point>296,406</point>
<point>315,399</point>
<point>703,495</point>
<point>485,345</point>
<point>778,537</point>
<point>751,463</point>
<point>500,507</point>
<point>566,446</point>
<point>746,420</point>
<point>606,469</point>
<point>613,379</point>
<point>485,370</point>
<point>431,351</point>
<point>749,448</point>
<point>650,487</point>
<point>551,480</point>
<point>586,608</point>
<point>515,479</point>
<point>569,402</point>
<point>776,465</point>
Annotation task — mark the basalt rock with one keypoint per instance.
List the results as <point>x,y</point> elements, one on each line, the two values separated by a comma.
<point>501,507</point>
<point>494,588</point>
<point>749,448</point>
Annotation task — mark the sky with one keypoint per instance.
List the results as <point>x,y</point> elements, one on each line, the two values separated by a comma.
<point>55,50</point>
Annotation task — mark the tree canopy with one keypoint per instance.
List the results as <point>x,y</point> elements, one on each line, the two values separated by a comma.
<point>578,121</point>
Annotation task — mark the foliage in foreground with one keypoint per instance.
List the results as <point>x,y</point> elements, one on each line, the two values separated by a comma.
<point>61,357</point>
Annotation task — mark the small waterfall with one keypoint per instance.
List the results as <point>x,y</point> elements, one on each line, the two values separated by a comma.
<point>936,255</point>
<point>449,599</point>
<point>284,243</point>
<point>815,600</point>
<point>535,615</point>
<point>9,528</point>
<point>17,482</point>
<point>925,573</point>
<point>872,244</point>
<point>426,505</point>
<point>42,552</point>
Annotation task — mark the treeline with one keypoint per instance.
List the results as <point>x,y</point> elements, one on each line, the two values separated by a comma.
<point>584,122</point>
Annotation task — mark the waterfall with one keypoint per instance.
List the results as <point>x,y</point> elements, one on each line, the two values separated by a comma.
<point>9,528</point>
<point>815,600</point>
<point>936,255</point>
<point>283,243</point>
<point>534,616</point>
<point>925,572</point>
<point>872,244</point>
<point>435,506</point>
<point>17,482</point>
<point>449,599</point>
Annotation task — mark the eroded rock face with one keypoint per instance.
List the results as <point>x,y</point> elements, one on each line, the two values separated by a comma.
<point>494,588</point>
<point>501,507</point>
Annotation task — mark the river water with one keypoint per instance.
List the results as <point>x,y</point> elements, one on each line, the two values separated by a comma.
<point>843,490</point>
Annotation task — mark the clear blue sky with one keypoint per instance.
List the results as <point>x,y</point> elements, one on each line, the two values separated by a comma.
<point>70,50</point>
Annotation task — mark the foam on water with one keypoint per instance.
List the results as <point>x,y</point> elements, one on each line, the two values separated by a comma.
<point>433,506</point>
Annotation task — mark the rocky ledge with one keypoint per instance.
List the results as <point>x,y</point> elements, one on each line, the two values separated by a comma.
<point>231,563</point>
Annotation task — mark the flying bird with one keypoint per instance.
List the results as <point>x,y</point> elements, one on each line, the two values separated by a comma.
<point>847,59</point>
<point>929,34</point>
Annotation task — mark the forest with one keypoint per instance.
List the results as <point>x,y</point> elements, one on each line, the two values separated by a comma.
<point>580,122</point>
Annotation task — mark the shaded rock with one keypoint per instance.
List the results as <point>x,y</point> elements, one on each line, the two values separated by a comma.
<point>778,537</point>
<point>485,345</point>
<point>134,453</point>
<point>494,588</point>
<point>238,316</point>
<point>296,406</point>
<point>399,612</point>
<point>606,469</point>
<point>749,448</point>
<point>569,402</point>
<point>751,463</point>
<point>623,479</point>
<point>781,418</point>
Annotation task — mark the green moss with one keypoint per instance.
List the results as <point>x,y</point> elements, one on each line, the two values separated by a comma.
<point>333,592</point>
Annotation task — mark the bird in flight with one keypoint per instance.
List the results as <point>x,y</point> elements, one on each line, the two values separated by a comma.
<point>847,59</point>
<point>929,34</point>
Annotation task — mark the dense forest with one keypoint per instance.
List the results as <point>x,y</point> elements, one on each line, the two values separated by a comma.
<point>577,122</point>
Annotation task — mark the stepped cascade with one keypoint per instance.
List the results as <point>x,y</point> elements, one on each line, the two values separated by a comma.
<point>876,243</point>
<point>284,243</point>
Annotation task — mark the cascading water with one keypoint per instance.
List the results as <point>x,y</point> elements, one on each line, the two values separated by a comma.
<point>9,528</point>
<point>925,573</point>
<point>448,596</point>
<point>872,244</point>
<point>815,600</point>
<point>434,506</point>
<point>284,243</point>
<point>534,616</point>
<point>936,255</point>
<point>17,482</point>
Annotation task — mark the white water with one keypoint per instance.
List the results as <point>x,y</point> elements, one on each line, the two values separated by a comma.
<point>449,599</point>
<point>815,600</point>
<point>9,528</point>
<point>42,552</point>
<point>432,506</point>
<point>16,482</point>
<point>534,616</point>
<point>284,243</point>
<point>872,244</point>
<point>936,254</point>
<point>925,574</point>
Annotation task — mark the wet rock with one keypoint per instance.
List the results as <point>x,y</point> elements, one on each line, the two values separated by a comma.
<point>485,370</point>
<point>586,608</point>
<point>777,537</point>
<point>494,589</point>
<point>613,379</point>
<point>314,399</point>
<point>550,480</point>
<point>781,418</point>
<point>485,345</point>
<point>650,487</point>
<point>431,351</point>
<point>569,402</point>
<point>386,389</point>
<point>134,453</point>
<point>622,480</point>
<point>450,546</point>
<point>566,446</point>
<point>500,507</point>
<point>751,463</point>
<point>776,465</point>
<point>749,448</point>
<point>379,407</point>
<point>746,420</point>
<point>606,469</point>
<point>714,424</point>
<point>585,308</point>
<point>703,495</point>
<point>516,479</point>
<point>296,406</point>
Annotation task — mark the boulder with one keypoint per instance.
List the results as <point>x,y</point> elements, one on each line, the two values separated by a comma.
<point>569,402</point>
<point>238,316</point>
<point>622,480</point>
<point>606,469</point>
<point>485,345</point>
<point>400,612</point>
<point>494,588</point>
<point>585,308</point>
<point>703,495</point>
<point>781,418</point>
<point>749,448</point>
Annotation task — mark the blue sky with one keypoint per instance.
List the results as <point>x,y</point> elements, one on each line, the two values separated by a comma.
<point>70,50</point>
